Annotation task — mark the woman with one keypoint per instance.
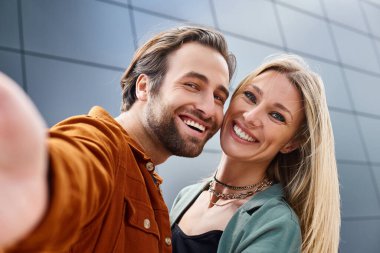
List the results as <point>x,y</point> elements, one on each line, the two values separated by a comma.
<point>276,187</point>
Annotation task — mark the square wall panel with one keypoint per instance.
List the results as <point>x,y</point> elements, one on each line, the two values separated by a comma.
<point>356,49</point>
<point>9,33</point>
<point>376,170</point>
<point>61,89</point>
<point>306,33</point>
<point>312,6</point>
<point>197,11</point>
<point>249,55</point>
<point>179,172</point>
<point>371,129</point>
<point>119,1</point>
<point>377,43</point>
<point>346,12</point>
<point>360,236</point>
<point>348,144</point>
<point>365,90</point>
<point>373,17</point>
<point>253,19</point>
<point>375,2</point>
<point>357,191</point>
<point>148,25</point>
<point>10,64</point>
<point>335,87</point>
<point>91,31</point>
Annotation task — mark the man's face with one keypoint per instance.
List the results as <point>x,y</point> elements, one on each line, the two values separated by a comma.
<point>188,109</point>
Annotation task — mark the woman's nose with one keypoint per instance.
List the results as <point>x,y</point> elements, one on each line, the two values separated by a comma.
<point>253,117</point>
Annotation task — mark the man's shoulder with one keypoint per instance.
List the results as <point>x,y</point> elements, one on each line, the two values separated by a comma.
<point>100,113</point>
<point>97,123</point>
<point>95,114</point>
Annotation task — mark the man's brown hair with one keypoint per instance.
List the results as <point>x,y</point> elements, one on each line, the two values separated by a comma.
<point>151,58</point>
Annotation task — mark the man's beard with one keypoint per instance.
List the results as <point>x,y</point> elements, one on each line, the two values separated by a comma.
<point>162,126</point>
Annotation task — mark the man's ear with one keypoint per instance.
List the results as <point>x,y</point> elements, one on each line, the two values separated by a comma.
<point>290,146</point>
<point>142,87</point>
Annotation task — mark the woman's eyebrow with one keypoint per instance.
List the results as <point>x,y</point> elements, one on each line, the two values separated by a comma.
<point>278,105</point>
<point>282,107</point>
<point>258,90</point>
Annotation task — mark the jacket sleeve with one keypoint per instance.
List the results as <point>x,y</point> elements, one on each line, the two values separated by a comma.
<point>82,158</point>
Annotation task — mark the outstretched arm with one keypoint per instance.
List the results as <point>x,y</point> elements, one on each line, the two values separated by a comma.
<point>23,163</point>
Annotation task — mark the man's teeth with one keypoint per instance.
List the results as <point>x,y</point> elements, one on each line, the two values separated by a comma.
<point>242,135</point>
<point>195,125</point>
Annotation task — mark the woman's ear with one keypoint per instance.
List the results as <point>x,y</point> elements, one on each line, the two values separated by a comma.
<point>142,87</point>
<point>290,146</point>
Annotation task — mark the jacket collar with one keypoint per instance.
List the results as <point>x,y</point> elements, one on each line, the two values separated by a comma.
<point>99,112</point>
<point>259,199</point>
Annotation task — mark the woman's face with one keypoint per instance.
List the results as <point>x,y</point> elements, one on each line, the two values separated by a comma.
<point>262,119</point>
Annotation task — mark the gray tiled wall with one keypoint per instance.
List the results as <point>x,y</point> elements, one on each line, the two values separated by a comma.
<point>94,32</point>
<point>69,55</point>
<point>9,24</point>
<point>61,89</point>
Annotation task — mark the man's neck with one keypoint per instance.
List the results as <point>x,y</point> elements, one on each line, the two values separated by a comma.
<point>132,124</point>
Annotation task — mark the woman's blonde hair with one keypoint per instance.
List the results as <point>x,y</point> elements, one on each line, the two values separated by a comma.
<point>309,174</point>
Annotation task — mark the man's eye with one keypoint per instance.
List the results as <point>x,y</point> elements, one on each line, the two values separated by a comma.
<point>278,116</point>
<point>250,96</point>
<point>192,85</point>
<point>220,99</point>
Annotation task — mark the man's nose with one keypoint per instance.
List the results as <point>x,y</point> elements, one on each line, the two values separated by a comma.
<point>206,105</point>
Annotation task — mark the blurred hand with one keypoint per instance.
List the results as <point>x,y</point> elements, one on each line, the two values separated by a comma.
<point>23,163</point>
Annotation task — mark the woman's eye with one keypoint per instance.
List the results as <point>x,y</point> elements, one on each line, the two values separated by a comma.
<point>250,96</point>
<point>278,116</point>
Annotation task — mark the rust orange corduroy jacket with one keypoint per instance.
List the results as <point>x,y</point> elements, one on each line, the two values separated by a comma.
<point>104,193</point>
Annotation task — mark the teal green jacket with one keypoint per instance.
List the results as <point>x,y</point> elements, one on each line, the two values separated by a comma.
<point>264,224</point>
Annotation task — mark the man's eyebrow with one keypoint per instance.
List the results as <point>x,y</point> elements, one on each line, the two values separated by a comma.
<point>196,75</point>
<point>205,79</point>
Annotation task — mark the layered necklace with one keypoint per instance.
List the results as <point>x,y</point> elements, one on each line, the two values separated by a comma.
<point>249,190</point>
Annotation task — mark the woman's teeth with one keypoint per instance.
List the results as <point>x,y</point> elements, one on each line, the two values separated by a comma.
<point>242,135</point>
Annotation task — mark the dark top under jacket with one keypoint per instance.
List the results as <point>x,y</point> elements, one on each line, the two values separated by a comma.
<point>203,243</point>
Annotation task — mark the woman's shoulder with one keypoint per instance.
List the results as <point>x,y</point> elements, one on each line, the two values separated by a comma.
<point>185,197</point>
<point>280,210</point>
<point>270,205</point>
<point>191,190</point>
<point>266,221</point>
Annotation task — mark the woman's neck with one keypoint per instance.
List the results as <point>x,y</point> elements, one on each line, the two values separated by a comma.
<point>237,173</point>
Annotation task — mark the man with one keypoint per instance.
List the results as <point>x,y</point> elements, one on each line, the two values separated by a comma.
<point>91,185</point>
